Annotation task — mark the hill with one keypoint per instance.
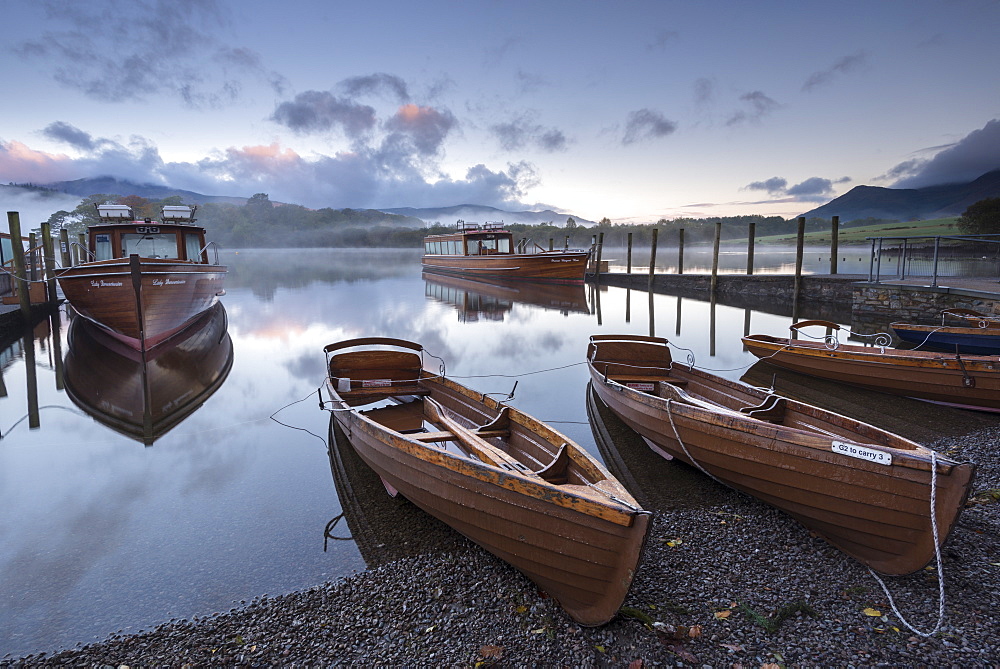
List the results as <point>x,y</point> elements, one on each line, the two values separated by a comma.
<point>474,213</point>
<point>909,204</point>
<point>113,186</point>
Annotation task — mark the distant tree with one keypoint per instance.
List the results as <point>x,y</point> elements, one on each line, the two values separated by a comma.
<point>604,221</point>
<point>141,207</point>
<point>981,218</point>
<point>570,223</point>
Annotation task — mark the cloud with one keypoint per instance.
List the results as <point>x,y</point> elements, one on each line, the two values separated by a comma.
<point>704,91</point>
<point>116,52</point>
<point>321,111</point>
<point>662,39</point>
<point>813,189</point>
<point>64,132</point>
<point>647,124</point>
<point>426,127</point>
<point>845,65</point>
<point>379,83</point>
<point>759,106</point>
<point>966,160</point>
<point>522,132</point>
<point>772,185</point>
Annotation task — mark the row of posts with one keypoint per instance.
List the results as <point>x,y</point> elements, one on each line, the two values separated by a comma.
<point>799,250</point>
<point>21,261</point>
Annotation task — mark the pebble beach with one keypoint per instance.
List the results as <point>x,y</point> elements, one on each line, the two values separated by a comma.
<point>725,581</point>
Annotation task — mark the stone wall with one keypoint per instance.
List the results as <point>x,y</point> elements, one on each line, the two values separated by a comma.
<point>874,306</point>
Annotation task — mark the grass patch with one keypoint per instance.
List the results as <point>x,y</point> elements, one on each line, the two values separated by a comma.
<point>771,623</point>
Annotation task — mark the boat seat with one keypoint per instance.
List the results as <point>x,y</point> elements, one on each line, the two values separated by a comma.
<point>556,471</point>
<point>772,410</point>
<point>652,381</point>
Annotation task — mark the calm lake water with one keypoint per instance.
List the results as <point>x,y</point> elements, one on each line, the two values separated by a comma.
<point>100,533</point>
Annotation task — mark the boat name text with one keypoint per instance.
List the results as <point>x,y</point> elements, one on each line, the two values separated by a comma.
<point>168,282</point>
<point>102,282</point>
<point>862,453</point>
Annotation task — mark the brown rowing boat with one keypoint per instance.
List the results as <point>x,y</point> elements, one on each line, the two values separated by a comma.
<point>508,482</point>
<point>864,490</point>
<point>965,381</point>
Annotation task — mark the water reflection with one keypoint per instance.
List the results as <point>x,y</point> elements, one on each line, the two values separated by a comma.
<point>476,299</point>
<point>143,396</point>
<point>384,528</point>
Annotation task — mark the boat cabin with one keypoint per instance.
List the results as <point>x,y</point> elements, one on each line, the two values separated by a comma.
<point>119,235</point>
<point>471,239</point>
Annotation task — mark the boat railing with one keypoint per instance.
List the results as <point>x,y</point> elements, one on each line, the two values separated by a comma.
<point>215,250</point>
<point>896,258</point>
<point>83,254</point>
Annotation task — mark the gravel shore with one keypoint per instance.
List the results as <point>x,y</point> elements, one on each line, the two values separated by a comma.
<point>725,581</point>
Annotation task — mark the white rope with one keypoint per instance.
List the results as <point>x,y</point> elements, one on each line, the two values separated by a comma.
<point>670,416</point>
<point>937,556</point>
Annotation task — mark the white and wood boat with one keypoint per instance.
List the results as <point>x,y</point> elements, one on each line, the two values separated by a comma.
<point>508,482</point>
<point>144,281</point>
<point>866,491</point>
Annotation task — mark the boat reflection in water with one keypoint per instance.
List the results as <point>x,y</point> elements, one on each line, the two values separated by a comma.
<point>143,396</point>
<point>384,528</point>
<point>490,299</point>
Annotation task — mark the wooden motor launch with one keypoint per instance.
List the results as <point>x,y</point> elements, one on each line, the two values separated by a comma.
<point>964,381</point>
<point>866,491</point>
<point>144,281</point>
<point>508,482</point>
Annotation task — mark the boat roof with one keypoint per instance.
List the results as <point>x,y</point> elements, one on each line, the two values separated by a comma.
<point>463,228</point>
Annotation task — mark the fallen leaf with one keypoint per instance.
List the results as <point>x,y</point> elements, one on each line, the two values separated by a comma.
<point>673,542</point>
<point>489,650</point>
<point>540,630</point>
<point>635,664</point>
<point>695,631</point>
<point>601,649</point>
<point>522,609</point>
<point>682,653</point>
<point>874,613</point>
<point>770,665</point>
<point>719,615</point>
<point>735,647</point>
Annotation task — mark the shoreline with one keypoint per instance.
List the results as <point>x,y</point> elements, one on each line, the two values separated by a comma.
<point>725,580</point>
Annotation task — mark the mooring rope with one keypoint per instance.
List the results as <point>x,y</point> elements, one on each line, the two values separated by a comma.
<point>937,557</point>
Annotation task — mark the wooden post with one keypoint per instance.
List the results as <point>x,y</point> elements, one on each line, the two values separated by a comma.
<point>652,259</point>
<point>50,261</point>
<point>799,242</point>
<point>834,243</point>
<point>715,257</point>
<point>680,251</point>
<point>629,255</point>
<point>552,244</point>
<point>566,248</point>
<point>20,272</point>
<point>753,233</point>
<point>597,261</point>
<point>67,258</point>
<point>31,374</point>
<point>31,257</point>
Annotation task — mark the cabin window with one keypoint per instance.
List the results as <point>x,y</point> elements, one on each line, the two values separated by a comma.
<point>150,246</point>
<point>428,248</point>
<point>192,246</point>
<point>102,247</point>
<point>453,247</point>
<point>503,245</point>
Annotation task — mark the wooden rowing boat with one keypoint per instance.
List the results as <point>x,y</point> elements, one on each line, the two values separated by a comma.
<point>864,490</point>
<point>144,281</point>
<point>143,395</point>
<point>508,482</point>
<point>489,252</point>
<point>965,381</point>
<point>977,334</point>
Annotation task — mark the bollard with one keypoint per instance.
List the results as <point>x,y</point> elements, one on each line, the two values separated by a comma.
<point>680,251</point>
<point>715,257</point>
<point>834,243</point>
<point>753,233</point>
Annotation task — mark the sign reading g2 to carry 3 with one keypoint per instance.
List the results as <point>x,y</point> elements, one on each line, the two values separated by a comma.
<point>862,452</point>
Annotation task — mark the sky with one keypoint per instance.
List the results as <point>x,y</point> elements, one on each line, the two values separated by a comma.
<point>630,110</point>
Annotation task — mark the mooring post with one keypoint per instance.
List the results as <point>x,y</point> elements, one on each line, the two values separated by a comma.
<point>50,261</point>
<point>680,251</point>
<point>799,244</point>
<point>834,243</point>
<point>31,375</point>
<point>652,259</point>
<point>32,257</point>
<point>750,239</point>
<point>552,244</point>
<point>937,247</point>
<point>629,255</point>
<point>597,261</point>
<point>566,247</point>
<point>715,256</point>
<point>20,272</point>
<point>67,258</point>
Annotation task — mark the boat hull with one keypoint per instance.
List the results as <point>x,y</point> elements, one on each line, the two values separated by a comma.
<point>975,340</point>
<point>971,382</point>
<point>579,543</point>
<point>144,302</point>
<point>875,511</point>
<point>552,266</point>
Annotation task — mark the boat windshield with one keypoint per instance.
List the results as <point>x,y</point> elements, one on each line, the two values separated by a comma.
<point>192,247</point>
<point>150,245</point>
<point>487,245</point>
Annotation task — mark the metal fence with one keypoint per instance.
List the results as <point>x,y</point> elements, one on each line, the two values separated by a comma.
<point>898,258</point>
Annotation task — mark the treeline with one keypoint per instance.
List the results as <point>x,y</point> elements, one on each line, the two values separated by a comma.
<point>262,223</point>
